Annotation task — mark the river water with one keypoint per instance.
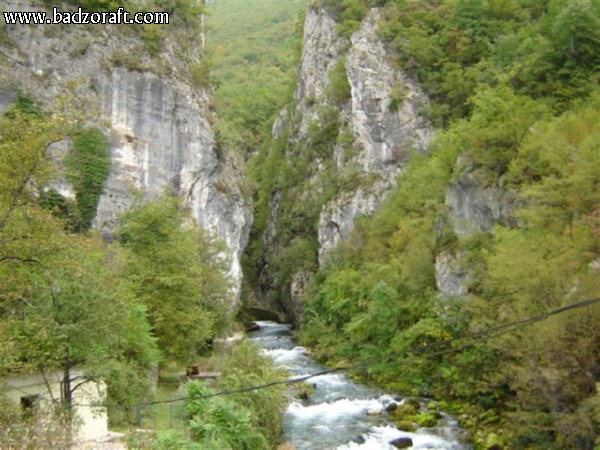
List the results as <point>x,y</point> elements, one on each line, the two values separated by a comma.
<point>335,414</point>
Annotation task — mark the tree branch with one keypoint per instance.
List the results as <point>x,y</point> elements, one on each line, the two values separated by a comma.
<point>78,385</point>
<point>19,260</point>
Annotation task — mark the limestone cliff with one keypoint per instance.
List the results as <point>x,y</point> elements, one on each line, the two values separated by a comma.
<point>384,133</point>
<point>156,117</point>
<point>368,136</point>
<point>343,152</point>
<point>473,207</point>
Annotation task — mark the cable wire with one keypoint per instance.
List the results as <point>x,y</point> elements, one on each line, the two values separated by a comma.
<point>431,350</point>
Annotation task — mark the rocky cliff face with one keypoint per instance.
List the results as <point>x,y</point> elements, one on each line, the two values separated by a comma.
<point>160,137</point>
<point>380,117</point>
<point>386,125</point>
<point>156,118</point>
<point>473,207</point>
<point>379,126</point>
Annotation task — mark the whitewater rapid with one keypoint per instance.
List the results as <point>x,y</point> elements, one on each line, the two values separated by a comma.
<point>340,413</point>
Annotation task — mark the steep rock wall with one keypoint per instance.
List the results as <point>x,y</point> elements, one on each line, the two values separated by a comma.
<point>381,117</point>
<point>156,119</point>
<point>378,126</point>
<point>385,130</point>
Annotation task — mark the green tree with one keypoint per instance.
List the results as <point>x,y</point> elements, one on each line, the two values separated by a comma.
<point>75,317</point>
<point>178,273</point>
<point>61,307</point>
<point>576,32</point>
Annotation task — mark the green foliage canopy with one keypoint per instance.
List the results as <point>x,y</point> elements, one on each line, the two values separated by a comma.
<point>62,306</point>
<point>178,273</point>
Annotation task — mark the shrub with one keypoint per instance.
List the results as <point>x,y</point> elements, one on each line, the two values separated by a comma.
<point>88,166</point>
<point>339,87</point>
<point>250,420</point>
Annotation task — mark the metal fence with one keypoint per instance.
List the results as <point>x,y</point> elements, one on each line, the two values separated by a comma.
<point>161,416</point>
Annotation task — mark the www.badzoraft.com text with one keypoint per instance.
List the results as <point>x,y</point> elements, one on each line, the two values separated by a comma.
<point>80,17</point>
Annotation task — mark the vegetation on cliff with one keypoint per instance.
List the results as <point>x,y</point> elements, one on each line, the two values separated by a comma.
<point>252,49</point>
<point>158,295</point>
<point>514,87</point>
<point>63,304</point>
<point>70,302</point>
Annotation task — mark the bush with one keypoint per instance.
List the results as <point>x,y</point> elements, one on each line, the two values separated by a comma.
<point>250,420</point>
<point>398,94</point>
<point>88,166</point>
<point>339,87</point>
<point>200,73</point>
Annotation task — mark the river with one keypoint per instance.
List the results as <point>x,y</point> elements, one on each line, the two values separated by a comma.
<point>340,413</point>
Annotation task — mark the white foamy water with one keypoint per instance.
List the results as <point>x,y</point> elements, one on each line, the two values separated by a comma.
<point>339,413</point>
<point>327,381</point>
<point>380,437</point>
<point>283,356</point>
<point>332,411</point>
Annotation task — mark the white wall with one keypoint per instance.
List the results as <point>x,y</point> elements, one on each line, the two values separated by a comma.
<point>93,421</point>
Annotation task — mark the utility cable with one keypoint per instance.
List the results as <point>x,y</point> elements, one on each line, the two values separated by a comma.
<point>432,350</point>
<point>435,349</point>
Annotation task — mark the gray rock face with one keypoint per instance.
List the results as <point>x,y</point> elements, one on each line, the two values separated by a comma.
<point>450,278</point>
<point>385,128</point>
<point>338,215</point>
<point>474,207</point>
<point>381,119</point>
<point>159,138</point>
<point>156,121</point>
<point>320,50</point>
<point>300,282</point>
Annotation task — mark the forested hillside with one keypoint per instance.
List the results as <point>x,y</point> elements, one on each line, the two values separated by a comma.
<point>496,222</point>
<point>252,49</point>
<point>513,90</point>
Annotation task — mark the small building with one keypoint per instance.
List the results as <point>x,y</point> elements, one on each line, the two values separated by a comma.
<point>33,391</point>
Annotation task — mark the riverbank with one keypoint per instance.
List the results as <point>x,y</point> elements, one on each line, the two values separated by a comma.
<point>341,413</point>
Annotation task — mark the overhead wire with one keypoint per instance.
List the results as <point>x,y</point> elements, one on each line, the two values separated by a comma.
<point>431,350</point>
<point>434,349</point>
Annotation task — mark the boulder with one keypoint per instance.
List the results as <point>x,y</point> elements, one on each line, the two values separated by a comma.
<point>405,425</point>
<point>391,407</point>
<point>493,442</point>
<point>359,440</point>
<point>404,411</point>
<point>251,326</point>
<point>402,442</point>
<point>433,406</point>
<point>414,402</point>
<point>302,395</point>
<point>426,419</point>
